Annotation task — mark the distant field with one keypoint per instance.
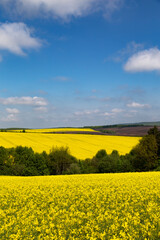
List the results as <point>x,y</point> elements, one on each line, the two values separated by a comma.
<point>128,131</point>
<point>81,145</point>
<point>48,130</point>
<point>122,206</point>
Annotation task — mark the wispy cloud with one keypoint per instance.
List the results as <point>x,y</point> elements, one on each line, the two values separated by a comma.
<point>113,112</point>
<point>12,110</point>
<point>98,99</point>
<point>86,112</point>
<point>12,115</point>
<point>117,110</point>
<point>63,9</point>
<point>17,38</point>
<point>61,79</point>
<point>32,101</point>
<point>10,118</point>
<point>144,61</point>
<point>41,109</point>
<point>111,6</point>
<point>137,105</point>
<point>130,49</point>
<point>108,114</point>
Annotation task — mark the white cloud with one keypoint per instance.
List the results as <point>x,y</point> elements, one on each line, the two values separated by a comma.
<point>12,110</point>
<point>62,8</point>
<point>117,110</point>
<point>113,112</point>
<point>86,112</point>
<point>112,6</point>
<point>16,38</point>
<point>144,61</point>
<point>137,105</point>
<point>33,101</point>
<point>130,49</point>
<point>41,109</point>
<point>108,114</point>
<point>10,118</point>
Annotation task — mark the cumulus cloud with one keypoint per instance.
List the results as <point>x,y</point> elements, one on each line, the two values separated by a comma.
<point>12,110</point>
<point>17,38</point>
<point>32,101</point>
<point>144,61</point>
<point>62,8</point>
<point>10,118</point>
<point>137,105</point>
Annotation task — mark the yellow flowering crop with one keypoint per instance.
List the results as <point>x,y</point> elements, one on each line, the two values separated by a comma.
<point>96,206</point>
<point>56,130</point>
<point>81,145</point>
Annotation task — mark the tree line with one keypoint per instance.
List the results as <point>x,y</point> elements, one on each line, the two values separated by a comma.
<point>23,161</point>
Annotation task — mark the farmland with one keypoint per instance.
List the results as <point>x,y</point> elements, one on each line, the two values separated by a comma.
<point>96,206</point>
<point>81,145</point>
<point>53,130</point>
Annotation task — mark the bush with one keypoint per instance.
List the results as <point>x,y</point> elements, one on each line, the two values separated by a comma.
<point>144,155</point>
<point>73,169</point>
<point>4,156</point>
<point>60,160</point>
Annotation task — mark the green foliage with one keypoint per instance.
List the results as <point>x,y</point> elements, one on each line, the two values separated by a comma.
<point>23,161</point>
<point>126,163</point>
<point>104,163</point>
<point>24,158</point>
<point>4,156</point>
<point>144,155</point>
<point>101,154</point>
<point>3,130</point>
<point>155,132</point>
<point>74,168</point>
<point>41,163</point>
<point>59,160</point>
<point>88,166</point>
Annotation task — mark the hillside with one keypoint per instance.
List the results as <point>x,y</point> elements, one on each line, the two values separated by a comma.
<point>128,129</point>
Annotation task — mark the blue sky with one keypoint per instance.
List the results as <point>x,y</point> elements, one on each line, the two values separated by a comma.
<point>77,63</point>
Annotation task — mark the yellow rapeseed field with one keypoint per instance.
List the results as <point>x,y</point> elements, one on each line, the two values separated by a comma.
<point>56,130</point>
<point>122,206</point>
<point>81,145</point>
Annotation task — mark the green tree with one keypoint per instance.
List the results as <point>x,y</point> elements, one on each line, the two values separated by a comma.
<point>154,131</point>
<point>73,169</point>
<point>98,160</point>
<point>24,158</point>
<point>88,166</point>
<point>59,160</point>
<point>127,163</point>
<point>41,163</point>
<point>144,155</point>
<point>4,156</point>
<point>115,161</point>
